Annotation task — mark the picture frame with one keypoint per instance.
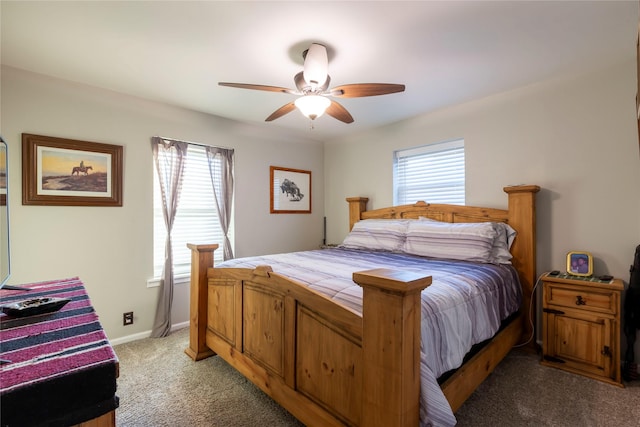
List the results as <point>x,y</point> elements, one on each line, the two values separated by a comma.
<point>68,172</point>
<point>579,263</point>
<point>290,190</point>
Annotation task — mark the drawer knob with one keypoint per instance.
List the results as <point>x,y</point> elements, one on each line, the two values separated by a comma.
<point>580,301</point>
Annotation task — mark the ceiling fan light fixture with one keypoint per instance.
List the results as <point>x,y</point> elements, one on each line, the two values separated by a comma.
<point>312,106</point>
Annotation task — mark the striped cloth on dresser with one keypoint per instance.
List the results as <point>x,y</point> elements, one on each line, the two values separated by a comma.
<point>47,346</point>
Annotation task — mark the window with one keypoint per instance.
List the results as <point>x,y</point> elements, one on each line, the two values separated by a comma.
<point>196,219</point>
<point>433,173</point>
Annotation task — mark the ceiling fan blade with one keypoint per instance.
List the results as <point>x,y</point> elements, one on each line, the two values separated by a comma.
<point>316,65</point>
<point>358,90</point>
<point>285,109</point>
<point>337,111</point>
<point>258,87</point>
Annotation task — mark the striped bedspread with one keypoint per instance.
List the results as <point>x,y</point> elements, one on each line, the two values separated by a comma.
<point>464,305</point>
<point>61,364</point>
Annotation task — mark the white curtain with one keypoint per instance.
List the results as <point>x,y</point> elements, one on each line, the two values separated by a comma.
<point>222,193</point>
<point>169,157</point>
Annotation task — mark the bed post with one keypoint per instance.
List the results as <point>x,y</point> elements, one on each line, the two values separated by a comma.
<point>357,205</point>
<point>522,217</point>
<point>391,346</point>
<point>201,260</point>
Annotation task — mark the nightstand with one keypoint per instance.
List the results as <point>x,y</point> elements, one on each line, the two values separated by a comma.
<point>581,326</point>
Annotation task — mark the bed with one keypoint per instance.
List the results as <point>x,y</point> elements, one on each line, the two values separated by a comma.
<point>354,357</point>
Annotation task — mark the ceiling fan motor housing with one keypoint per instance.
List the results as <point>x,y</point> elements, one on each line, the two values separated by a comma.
<point>305,88</point>
<point>316,65</point>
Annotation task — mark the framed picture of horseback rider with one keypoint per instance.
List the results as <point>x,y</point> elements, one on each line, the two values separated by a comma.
<point>68,172</point>
<point>290,190</point>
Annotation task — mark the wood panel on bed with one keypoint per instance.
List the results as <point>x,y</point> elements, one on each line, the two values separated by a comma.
<point>327,364</point>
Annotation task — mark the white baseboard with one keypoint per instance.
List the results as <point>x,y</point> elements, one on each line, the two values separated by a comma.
<point>178,326</point>
<point>146,334</point>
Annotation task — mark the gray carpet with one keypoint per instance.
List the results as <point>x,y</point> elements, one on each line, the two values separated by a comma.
<point>159,386</point>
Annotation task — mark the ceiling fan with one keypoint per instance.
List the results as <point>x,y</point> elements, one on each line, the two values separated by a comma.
<point>312,84</point>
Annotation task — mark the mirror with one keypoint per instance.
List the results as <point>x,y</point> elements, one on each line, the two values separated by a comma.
<point>5,261</point>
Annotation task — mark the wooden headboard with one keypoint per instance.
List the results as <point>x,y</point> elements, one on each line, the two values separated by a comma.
<point>520,214</point>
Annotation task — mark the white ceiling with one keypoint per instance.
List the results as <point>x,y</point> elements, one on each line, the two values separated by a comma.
<point>444,52</point>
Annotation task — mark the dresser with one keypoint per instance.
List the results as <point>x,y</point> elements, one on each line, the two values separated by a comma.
<point>60,368</point>
<point>581,326</point>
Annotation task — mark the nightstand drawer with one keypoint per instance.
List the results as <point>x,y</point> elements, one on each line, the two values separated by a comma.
<point>585,299</point>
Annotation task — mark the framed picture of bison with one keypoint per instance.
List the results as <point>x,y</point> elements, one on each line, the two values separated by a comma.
<point>67,172</point>
<point>290,190</point>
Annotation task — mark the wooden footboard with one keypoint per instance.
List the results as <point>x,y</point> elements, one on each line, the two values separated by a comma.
<point>312,356</point>
<point>328,365</point>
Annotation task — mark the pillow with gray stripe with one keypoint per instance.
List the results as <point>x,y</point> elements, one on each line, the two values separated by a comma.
<point>460,241</point>
<point>377,234</point>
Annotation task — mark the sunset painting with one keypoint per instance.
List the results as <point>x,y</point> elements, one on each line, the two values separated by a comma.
<point>73,172</point>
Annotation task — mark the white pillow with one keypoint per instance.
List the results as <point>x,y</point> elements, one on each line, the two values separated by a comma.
<point>462,241</point>
<point>377,234</point>
<point>500,253</point>
<point>505,235</point>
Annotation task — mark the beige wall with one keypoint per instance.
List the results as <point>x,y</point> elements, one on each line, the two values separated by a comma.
<point>111,249</point>
<point>576,138</point>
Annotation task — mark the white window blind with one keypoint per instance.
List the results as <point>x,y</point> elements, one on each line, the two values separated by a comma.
<point>196,219</point>
<point>433,173</point>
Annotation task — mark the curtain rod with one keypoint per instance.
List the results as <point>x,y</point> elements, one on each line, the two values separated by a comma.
<point>195,143</point>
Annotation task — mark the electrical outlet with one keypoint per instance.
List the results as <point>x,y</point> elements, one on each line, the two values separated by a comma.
<point>127,318</point>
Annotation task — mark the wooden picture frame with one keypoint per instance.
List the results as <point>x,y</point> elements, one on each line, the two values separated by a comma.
<point>579,263</point>
<point>290,190</point>
<point>67,172</point>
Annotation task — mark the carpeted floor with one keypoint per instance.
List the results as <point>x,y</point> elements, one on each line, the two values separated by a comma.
<point>160,385</point>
